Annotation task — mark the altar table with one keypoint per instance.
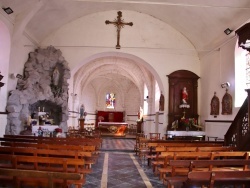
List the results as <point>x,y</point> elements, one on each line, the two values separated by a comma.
<point>113,128</point>
<point>186,135</point>
<point>49,128</point>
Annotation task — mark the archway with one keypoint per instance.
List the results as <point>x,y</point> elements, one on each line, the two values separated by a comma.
<point>123,73</point>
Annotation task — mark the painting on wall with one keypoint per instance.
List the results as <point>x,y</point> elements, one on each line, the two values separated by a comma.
<point>110,100</point>
<point>215,105</point>
<point>226,104</point>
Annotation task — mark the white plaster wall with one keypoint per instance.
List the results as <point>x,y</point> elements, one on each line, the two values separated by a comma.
<point>216,68</point>
<point>162,47</point>
<point>20,50</point>
<point>216,129</point>
<point>5,45</point>
<point>4,62</point>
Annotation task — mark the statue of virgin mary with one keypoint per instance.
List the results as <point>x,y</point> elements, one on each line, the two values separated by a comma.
<point>55,76</point>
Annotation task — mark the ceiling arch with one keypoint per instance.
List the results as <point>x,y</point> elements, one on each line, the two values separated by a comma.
<point>111,68</point>
<point>89,64</point>
<point>206,32</point>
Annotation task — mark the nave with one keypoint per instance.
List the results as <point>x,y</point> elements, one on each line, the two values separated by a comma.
<point>118,166</point>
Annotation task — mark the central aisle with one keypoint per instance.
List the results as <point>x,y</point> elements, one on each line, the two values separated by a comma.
<point>116,169</point>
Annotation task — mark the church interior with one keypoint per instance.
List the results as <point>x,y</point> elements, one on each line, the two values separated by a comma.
<point>124,71</point>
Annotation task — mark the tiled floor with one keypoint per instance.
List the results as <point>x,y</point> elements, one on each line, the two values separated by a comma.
<point>117,144</point>
<point>118,166</point>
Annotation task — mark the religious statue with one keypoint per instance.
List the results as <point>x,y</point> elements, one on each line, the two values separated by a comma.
<point>55,76</point>
<point>184,95</point>
<point>140,115</point>
<point>161,102</point>
<point>215,105</point>
<point>227,104</point>
<point>82,110</point>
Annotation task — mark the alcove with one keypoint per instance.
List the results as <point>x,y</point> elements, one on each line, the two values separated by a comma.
<point>177,81</point>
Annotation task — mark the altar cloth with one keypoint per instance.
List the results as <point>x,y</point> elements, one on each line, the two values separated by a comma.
<point>113,128</point>
<point>186,133</point>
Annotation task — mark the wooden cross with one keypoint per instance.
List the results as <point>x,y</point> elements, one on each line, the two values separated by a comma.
<point>119,24</point>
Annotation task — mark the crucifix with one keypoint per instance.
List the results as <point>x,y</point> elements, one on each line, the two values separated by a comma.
<point>119,24</point>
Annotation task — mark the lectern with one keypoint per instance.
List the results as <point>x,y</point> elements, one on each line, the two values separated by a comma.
<point>139,126</point>
<point>81,123</point>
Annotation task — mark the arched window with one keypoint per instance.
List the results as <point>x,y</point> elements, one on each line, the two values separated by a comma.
<point>240,75</point>
<point>110,100</point>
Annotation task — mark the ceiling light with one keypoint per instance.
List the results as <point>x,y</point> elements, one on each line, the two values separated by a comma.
<point>228,31</point>
<point>8,10</point>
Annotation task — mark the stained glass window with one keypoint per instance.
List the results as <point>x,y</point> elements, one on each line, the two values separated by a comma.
<point>110,100</point>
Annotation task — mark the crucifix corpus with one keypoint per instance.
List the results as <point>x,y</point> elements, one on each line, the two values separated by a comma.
<point>119,24</point>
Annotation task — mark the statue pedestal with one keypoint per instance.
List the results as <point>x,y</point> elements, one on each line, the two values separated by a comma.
<point>81,123</point>
<point>139,127</point>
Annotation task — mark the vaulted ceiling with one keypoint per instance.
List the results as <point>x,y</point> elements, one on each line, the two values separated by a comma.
<point>202,22</point>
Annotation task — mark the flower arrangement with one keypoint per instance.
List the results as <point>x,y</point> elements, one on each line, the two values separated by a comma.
<point>175,125</point>
<point>58,130</point>
<point>100,118</point>
<point>188,122</point>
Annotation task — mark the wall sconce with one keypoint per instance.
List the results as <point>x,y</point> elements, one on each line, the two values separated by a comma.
<point>225,85</point>
<point>147,98</point>
<point>8,10</point>
<point>228,31</point>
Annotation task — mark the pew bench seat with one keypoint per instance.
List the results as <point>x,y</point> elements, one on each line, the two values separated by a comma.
<point>18,178</point>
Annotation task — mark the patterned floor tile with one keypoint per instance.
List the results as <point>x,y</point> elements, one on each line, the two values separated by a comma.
<point>122,172</point>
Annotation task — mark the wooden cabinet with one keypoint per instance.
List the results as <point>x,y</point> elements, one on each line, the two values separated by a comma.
<point>177,81</point>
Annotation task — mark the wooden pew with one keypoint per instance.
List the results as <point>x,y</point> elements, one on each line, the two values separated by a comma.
<point>160,160</point>
<point>13,177</point>
<point>186,142</point>
<point>182,167</point>
<point>51,164</point>
<point>211,178</point>
<point>182,155</point>
<point>46,152</point>
<point>157,151</point>
<point>84,152</point>
<point>155,148</point>
<point>34,139</point>
<point>51,141</point>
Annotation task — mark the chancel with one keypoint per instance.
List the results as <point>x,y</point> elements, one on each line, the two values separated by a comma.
<point>67,91</point>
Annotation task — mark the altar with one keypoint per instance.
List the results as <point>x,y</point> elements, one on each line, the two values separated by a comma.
<point>186,135</point>
<point>44,128</point>
<point>113,128</point>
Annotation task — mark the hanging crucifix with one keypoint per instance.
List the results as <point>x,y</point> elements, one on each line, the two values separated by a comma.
<point>119,24</point>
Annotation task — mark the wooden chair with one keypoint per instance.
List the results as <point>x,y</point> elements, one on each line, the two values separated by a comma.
<point>138,136</point>
<point>154,136</point>
<point>143,148</point>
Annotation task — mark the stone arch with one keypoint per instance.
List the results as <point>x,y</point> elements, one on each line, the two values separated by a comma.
<point>144,66</point>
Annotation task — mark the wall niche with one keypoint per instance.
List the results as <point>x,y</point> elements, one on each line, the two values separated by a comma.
<point>53,111</point>
<point>177,81</point>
